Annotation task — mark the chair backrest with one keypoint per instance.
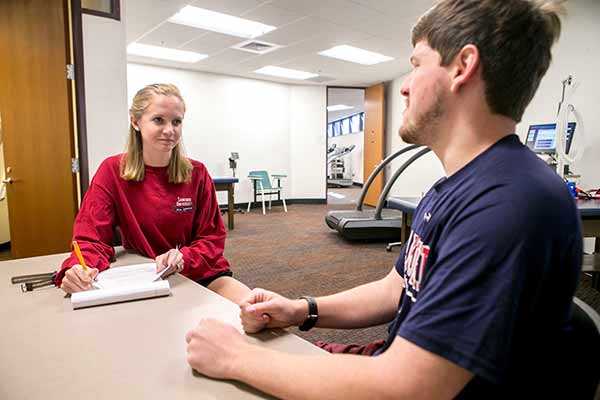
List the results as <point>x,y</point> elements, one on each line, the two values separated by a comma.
<point>264,177</point>
<point>586,327</point>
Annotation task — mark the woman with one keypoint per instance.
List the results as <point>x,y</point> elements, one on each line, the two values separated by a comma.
<point>163,203</point>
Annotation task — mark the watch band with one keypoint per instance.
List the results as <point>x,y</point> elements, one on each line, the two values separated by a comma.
<point>313,314</point>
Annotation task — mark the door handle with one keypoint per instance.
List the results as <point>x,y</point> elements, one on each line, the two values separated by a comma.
<point>7,180</point>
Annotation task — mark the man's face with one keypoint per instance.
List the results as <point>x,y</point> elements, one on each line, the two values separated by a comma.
<point>426,91</point>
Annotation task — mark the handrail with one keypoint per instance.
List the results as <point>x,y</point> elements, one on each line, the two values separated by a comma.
<point>376,171</point>
<point>390,183</point>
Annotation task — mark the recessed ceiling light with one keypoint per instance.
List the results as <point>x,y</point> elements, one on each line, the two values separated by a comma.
<point>339,107</point>
<point>285,72</point>
<point>146,50</point>
<point>356,55</point>
<point>217,22</point>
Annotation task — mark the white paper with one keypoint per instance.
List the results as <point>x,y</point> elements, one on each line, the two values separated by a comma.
<point>119,284</point>
<point>126,276</point>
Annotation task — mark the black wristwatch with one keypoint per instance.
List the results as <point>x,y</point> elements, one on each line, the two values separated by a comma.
<point>313,314</point>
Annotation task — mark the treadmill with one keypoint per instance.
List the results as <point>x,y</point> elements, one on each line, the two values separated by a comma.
<point>374,224</point>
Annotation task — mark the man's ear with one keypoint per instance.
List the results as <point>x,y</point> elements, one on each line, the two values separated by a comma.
<point>464,67</point>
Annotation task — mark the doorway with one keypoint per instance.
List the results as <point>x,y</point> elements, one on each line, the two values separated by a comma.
<point>37,126</point>
<point>345,144</point>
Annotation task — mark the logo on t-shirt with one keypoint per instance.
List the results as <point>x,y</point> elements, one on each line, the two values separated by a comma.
<point>427,217</point>
<point>183,204</point>
<point>414,265</point>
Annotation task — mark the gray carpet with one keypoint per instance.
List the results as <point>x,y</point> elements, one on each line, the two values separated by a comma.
<point>296,253</point>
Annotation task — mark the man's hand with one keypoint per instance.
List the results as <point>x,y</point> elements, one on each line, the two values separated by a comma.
<point>172,260</point>
<point>77,279</point>
<point>212,348</point>
<point>265,309</point>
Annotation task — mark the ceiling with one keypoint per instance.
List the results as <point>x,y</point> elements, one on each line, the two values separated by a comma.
<point>354,98</point>
<point>304,27</point>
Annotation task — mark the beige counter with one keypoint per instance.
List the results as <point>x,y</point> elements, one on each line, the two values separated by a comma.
<point>133,350</point>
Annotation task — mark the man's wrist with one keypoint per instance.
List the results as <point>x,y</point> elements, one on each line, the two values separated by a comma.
<point>242,357</point>
<point>301,311</point>
<point>313,314</point>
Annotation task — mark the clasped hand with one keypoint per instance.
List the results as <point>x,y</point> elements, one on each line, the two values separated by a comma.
<point>264,309</point>
<point>214,348</point>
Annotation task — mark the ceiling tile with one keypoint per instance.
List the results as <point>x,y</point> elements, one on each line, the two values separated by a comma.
<point>342,12</point>
<point>212,43</point>
<point>142,17</point>
<point>299,30</point>
<point>270,15</point>
<point>225,58</point>
<point>411,9</point>
<point>231,7</point>
<point>325,66</point>
<point>172,35</point>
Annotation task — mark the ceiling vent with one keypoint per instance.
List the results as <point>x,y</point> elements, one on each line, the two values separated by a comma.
<point>256,46</point>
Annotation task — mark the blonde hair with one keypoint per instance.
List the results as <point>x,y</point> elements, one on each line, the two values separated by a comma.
<point>132,163</point>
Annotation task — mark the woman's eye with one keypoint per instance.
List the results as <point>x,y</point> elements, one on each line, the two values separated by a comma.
<point>158,120</point>
<point>177,122</point>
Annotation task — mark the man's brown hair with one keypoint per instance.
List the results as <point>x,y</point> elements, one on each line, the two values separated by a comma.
<point>514,39</point>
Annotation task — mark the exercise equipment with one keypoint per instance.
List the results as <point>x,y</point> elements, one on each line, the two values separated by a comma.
<point>374,224</point>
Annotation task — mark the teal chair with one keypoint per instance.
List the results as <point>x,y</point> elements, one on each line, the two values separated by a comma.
<point>263,185</point>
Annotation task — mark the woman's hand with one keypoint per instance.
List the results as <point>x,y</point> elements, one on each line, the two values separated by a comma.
<point>77,279</point>
<point>171,260</point>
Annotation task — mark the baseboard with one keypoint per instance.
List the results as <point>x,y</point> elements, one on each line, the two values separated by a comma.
<point>258,204</point>
<point>307,201</point>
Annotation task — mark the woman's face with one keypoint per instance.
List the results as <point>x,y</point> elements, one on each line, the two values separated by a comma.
<point>160,125</point>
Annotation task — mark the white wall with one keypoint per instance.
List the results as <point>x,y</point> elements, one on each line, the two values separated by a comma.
<point>578,54</point>
<point>308,141</point>
<point>354,160</point>
<point>422,174</point>
<point>276,127</point>
<point>105,66</point>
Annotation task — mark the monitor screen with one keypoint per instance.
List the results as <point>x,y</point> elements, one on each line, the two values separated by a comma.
<point>542,138</point>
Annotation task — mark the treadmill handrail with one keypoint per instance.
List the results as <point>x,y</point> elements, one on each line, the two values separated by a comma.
<point>376,171</point>
<point>390,183</point>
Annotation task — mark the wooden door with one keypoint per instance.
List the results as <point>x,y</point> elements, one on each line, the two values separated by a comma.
<point>374,147</point>
<point>36,107</point>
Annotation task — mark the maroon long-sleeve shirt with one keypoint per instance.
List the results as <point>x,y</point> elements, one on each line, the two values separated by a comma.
<point>153,216</point>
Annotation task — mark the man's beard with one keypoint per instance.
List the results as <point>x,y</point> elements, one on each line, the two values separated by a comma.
<point>424,130</point>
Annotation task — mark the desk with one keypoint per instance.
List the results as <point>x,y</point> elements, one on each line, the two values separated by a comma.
<point>133,350</point>
<point>589,210</point>
<point>227,184</point>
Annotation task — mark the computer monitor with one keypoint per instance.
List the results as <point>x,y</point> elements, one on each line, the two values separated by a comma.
<point>542,138</point>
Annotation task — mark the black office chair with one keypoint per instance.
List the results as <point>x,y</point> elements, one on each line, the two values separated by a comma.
<point>586,349</point>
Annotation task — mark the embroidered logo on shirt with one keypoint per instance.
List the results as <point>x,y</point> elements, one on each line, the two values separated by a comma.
<point>427,217</point>
<point>183,204</point>
<point>414,265</point>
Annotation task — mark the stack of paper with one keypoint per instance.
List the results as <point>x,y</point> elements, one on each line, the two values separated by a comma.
<point>119,284</point>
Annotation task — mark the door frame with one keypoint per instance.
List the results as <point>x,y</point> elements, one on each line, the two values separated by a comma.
<point>80,111</point>
<point>326,123</point>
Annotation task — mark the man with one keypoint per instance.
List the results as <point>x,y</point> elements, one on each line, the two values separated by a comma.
<point>480,297</point>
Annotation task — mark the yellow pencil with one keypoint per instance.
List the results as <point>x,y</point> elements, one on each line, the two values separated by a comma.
<point>79,256</point>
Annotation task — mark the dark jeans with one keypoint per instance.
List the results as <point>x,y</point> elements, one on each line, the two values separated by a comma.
<point>364,350</point>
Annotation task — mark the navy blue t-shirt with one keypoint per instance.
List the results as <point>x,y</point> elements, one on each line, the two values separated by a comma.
<point>490,269</point>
